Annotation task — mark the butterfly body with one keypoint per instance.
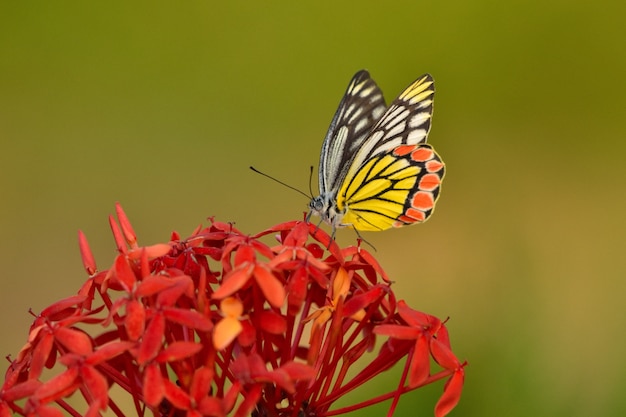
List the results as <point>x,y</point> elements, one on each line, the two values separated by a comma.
<point>376,170</point>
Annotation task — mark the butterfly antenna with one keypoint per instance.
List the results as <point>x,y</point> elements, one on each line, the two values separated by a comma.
<point>311,180</point>
<point>280,182</point>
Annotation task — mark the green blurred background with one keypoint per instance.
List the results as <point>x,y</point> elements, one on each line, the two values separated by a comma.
<point>162,106</point>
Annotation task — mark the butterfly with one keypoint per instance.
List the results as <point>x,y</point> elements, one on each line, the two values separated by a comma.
<point>376,170</point>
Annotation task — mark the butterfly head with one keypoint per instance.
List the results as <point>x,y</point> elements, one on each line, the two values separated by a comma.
<point>324,206</point>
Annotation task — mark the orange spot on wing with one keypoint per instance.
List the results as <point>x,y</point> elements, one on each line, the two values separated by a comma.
<point>404,150</point>
<point>429,182</point>
<point>422,201</point>
<point>422,154</point>
<point>434,165</point>
<point>413,216</point>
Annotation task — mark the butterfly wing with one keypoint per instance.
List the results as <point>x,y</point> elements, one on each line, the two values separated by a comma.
<point>406,122</point>
<point>361,106</point>
<point>394,178</point>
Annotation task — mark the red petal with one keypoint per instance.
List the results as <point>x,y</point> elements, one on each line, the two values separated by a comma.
<point>153,390</point>
<point>231,396</point>
<point>315,250</point>
<point>178,350</point>
<point>66,305</point>
<point>46,411</point>
<point>271,287</point>
<point>451,394</point>
<point>244,254</point>
<point>129,233</point>
<point>153,284</point>
<point>298,235</point>
<point>85,253</point>
<point>297,285</point>
<point>420,363</point>
<point>359,302</point>
<point>40,355</point>
<point>135,320</point>
<point>108,351</point>
<point>211,407</point>
<point>248,334</point>
<point>124,274</point>
<point>96,383</point>
<point>417,318</point>
<point>181,285</point>
<point>249,402</point>
<point>152,339</point>
<point>201,382</point>
<point>233,281</point>
<point>367,257</point>
<point>443,355</point>
<point>117,236</point>
<point>57,387</point>
<point>176,395</point>
<point>153,251</point>
<point>299,371</point>
<point>74,340</point>
<point>272,322</point>
<point>189,318</point>
<point>22,390</point>
<point>397,331</point>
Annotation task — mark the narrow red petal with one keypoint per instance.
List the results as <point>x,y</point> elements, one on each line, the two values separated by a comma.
<point>96,383</point>
<point>451,394</point>
<point>420,363</point>
<point>233,281</point>
<point>127,228</point>
<point>23,390</point>
<point>108,351</point>
<point>176,395</point>
<point>272,288</point>
<point>124,273</point>
<point>272,322</point>
<point>178,350</point>
<point>152,339</point>
<point>57,387</point>
<point>52,312</point>
<point>135,320</point>
<point>189,318</point>
<point>73,340</point>
<point>153,389</point>
<point>118,236</point>
<point>85,252</point>
<point>201,382</point>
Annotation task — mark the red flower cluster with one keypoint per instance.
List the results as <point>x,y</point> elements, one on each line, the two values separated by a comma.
<point>222,324</point>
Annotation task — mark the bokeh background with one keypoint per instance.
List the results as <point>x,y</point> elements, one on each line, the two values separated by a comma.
<point>162,106</point>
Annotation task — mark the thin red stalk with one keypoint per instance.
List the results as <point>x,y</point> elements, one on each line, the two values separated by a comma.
<point>64,405</point>
<point>405,373</point>
<point>290,344</point>
<point>345,367</point>
<point>324,359</point>
<point>115,375</point>
<point>227,356</point>
<point>319,365</point>
<point>389,395</point>
<point>118,412</point>
<point>335,339</point>
<point>301,325</point>
<point>359,328</point>
<point>378,365</point>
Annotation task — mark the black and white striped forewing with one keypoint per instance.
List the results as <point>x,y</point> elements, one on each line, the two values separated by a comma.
<point>360,108</point>
<point>406,122</point>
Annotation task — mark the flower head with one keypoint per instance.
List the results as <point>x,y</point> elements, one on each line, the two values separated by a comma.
<point>221,323</point>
